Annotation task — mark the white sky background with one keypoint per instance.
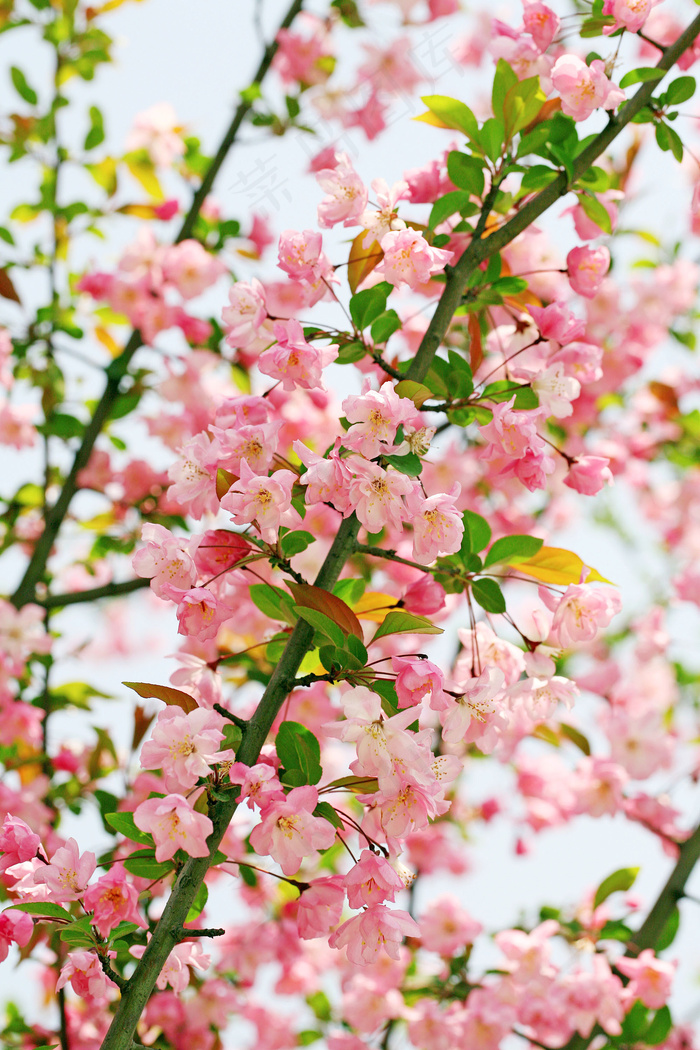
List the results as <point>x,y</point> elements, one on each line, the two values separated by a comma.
<point>197,56</point>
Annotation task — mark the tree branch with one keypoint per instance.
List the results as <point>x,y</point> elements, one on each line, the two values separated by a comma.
<point>116,371</point>
<point>109,590</point>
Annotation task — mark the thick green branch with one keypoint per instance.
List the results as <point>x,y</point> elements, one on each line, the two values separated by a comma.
<point>109,590</point>
<point>118,368</point>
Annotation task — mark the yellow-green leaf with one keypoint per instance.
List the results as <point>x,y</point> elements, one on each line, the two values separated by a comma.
<point>558,566</point>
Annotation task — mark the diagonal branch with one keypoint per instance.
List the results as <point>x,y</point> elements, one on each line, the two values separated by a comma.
<point>119,367</point>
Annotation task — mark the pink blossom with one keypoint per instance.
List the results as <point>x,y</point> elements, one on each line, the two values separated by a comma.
<point>299,253</point>
<point>185,746</point>
<point>540,22</point>
<point>584,88</point>
<point>264,501</point>
<point>259,783</point>
<point>375,416</point>
<point>586,228</point>
<point>631,14</point>
<point>192,475</point>
<point>255,443</point>
<point>175,970</point>
<point>304,58</point>
<point>174,825</point>
<point>16,927</point>
<point>86,976</point>
<point>371,881</point>
<point>415,678</point>
<point>320,907</point>
<point>327,480</point>
<point>446,927</point>
<point>557,322</point>
<point>245,316</point>
<point>289,831</point>
<point>556,391</point>
<point>478,700</point>
<point>346,193</point>
<point>592,997</point>
<point>409,259</point>
<point>599,783</point>
<point>580,612</point>
<point>113,899</point>
<point>374,930</point>
<point>588,474</point>
<point>650,978</point>
<point>294,361</point>
<point>166,559</point>
<point>390,68</point>
<point>22,632</point>
<point>191,268</point>
<point>67,875</point>
<point>375,494</point>
<point>17,842</point>
<point>437,524</point>
<point>377,223</point>
<point>587,268</point>
<point>511,432</point>
<point>156,130</point>
<point>200,613</point>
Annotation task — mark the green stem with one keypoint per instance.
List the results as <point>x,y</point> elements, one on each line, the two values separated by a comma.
<point>118,368</point>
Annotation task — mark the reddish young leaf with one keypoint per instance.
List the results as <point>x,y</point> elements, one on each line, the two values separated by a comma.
<point>310,597</point>
<point>166,693</point>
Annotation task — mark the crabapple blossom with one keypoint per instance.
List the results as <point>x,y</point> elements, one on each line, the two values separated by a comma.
<point>374,930</point>
<point>67,874</point>
<point>16,927</point>
<point>185,746</point>
<point>378,223</point>
<point>294,361</point>
<point>588,474</point>
<point>437,524</point>
<point>375,493</point>
<point>580,612</point>
<point>259,783</point>
<point>320,907</point>
<point>327,480</point>
<point>416,678</point>
<point>556,391</point>
<point>156,130</point>
<point>584,88</point>
<point>18,843</point>
<point>200,613</point>
<point>264,500</point>
<point>166,560</point>
<point>299,253</point>
<point>375,416</point>
<point>86,976</point>
<point>540,22</point>
<point>174,825</point>
<point>632,14</point>
<point>371,881</point>
<point>175,970</point>
<point>587,268</point>
<point>112,899</point>
<point>650,978</point>
<point>246,315</point>
<point>446,927</point>
<point>346,194</point>
<point>409,259</point>
<point>289,832</point>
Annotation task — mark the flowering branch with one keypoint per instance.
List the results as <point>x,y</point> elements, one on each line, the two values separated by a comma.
<point>117,369</point>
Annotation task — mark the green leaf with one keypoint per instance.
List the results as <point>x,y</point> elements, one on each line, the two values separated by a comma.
<point>477,533</point>
<point>621,880</point>
<point>489,596</point>
<point>510,547</point>
<point>320,1004</point>
<point>595,211</point>
<point>523,102</point>
<point>198,904</point>
<point>273,602</point>
<point>96,134</point>
<point>350,591</point>
<point>351,352</point>
<point>325,810</point>
<point>675,143</point>
<point>60,425</point>
<point>22,87</point>
<point>576,737</point>
<point>635,1023</point>
<point>509,285</point>
<point>537,177</point>
<point>405,623</point>
<point>295,542</point>
<point>124,824</point>
<point>357,648</point>
<point>616,931</point>
<point>491,138</point>
<point>641,75</point>
<point>385,325</point>
<point>466,172</point>
<point>680,90</point>
<point>78,934</point>
<point>320,622</point>
<point>43,908</point>
<point>298,749</point>
<point>504,79</point>
<point>365,306</point>
<point>410,464</point>
<point>445,206</point>
<point>669,931</point>
<point>144,864</point>
<point>659,1028</point>
<point>452,114</point>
